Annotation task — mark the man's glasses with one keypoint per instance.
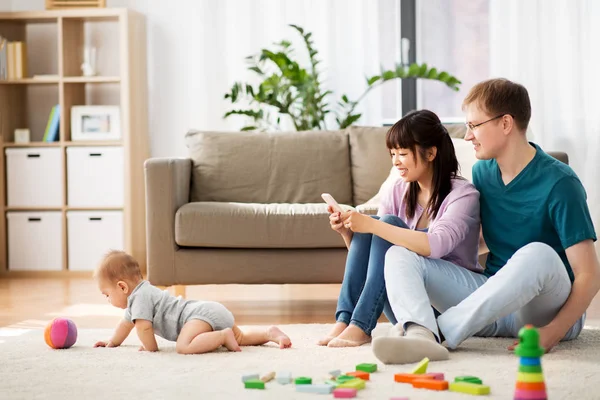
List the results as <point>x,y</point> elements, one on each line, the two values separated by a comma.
<point>472,127</point>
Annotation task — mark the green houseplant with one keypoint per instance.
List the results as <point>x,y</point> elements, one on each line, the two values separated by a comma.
<point>289,90</point>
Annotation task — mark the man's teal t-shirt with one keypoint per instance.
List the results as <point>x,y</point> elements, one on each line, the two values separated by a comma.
<point>545,202</point>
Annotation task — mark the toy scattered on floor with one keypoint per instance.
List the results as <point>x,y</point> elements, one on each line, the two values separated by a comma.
<point>467,378</point>
<point>530,378</point>
<point>335,373</point>
<point>370,368</point>
<point>421,368</point>
<point>60,333</point>
<point>284,377</point>
<point>469,388</point>
<point>254,384</point>
<point>303,380</point>
<point>247,377</point>
<point>268,377</point>
<point>359,374</point>
<point>431,384</point>
<point>321,388</point>
<point>344,393</point>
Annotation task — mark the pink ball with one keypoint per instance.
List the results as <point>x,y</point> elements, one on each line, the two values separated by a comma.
<point>60,333</point>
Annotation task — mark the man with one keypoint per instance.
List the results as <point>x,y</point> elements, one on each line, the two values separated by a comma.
<point>542,268</point>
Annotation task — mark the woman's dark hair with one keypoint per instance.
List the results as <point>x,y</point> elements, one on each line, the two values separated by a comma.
<point>424,129</point>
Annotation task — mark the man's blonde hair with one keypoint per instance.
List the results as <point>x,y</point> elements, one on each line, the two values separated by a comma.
<point>118,266</point>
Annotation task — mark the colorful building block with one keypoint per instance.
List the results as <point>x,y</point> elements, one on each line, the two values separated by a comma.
<point>408,378</point>
<point>469,388</point>
<point>284,377</point>
<point>468,378</point>
<point>344,393</point>
<point>430,384</point>
<point>359,374</point>
<point>356,383</point>
<point>438,376</point>
<point>247,377</point>
<point>321,389</point>
<point>254,384</point>
<point>370,368</point>
<point>345,378</point>
<point>530,377</point>
<point>303,380</point>
<point>335,373</point>
<point>268,377</point>
<point>332,383</point>
<point>421,368</point>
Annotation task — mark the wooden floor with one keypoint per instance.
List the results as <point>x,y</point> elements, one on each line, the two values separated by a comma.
<point>32,302</point>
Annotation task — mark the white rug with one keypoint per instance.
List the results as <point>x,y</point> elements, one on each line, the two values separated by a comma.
<point>31,370</point>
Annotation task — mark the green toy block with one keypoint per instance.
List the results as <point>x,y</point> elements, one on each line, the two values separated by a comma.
<point>355,383</point>
<point>529,342</point>
<point>469,388</point>
<point>467,378</point>
<point>254,384</point>
<point>303,380</point>
<point>345,378</point>
<point>332,383</point>
<point>367,367</point>
<point>530,368</point>
<point>422,367</point>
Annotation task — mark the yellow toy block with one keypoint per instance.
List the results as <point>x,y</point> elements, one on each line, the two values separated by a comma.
<point>422,367</point>
<point>469,388</point>
<point>357,384</point>
<point>530,377</point>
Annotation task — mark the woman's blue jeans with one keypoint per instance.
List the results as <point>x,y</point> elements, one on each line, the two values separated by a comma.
<point>363,297</point>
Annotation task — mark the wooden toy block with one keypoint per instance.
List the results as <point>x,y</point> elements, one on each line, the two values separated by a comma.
<point>468,378</point>
<point>303,380</point>
<point>335,373</point>
<point>370,368</point>
<point>531,386</point>
<point>321,389</point>
<point>247,377</point>
<point>469,388</point>
<point>268,377</point>
<point>529,394</point>
<point>345,378</point>
<point>359,374</point>
<point>344,393</point>
<point>421,368</point>
<point>284,377</point>
<point>430,384</point>
<point>353,384</point>
<point>254,384</point>
<point>530,377</point>
<point>408,378</point>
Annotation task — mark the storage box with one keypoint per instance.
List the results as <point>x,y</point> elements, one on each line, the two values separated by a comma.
<point>35,241</point>
<point>34,177</point>
<point>91,235</point>
<point>95,176</point>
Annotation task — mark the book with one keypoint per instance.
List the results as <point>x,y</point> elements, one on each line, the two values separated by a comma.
<point>52,127</point>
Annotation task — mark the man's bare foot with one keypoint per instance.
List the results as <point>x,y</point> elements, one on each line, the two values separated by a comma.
<point>229,341</point>
<point>352,336</point>
<point>338,328</point>
<point>276,335</point>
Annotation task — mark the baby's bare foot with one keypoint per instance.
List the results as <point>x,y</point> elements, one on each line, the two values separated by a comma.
<point>230,342</point>
<point>338,328</point>
<point>276,335</point>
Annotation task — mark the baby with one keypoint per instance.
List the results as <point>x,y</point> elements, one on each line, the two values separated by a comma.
<point>197,326</point>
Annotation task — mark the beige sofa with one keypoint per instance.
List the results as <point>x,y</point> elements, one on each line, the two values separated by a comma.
<point>246,207</point>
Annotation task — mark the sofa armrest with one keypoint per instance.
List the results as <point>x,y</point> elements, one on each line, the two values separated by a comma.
<point>560,156</point>
<point>167,189</point>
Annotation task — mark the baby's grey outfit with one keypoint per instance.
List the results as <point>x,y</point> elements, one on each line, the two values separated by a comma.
<point>168,313</point>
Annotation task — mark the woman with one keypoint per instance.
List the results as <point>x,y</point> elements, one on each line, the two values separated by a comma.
<point>430,211</point>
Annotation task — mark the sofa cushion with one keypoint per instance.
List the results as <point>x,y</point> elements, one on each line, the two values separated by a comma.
<point>371,161</point>
<point>278,167</point>
<point>247,225</point>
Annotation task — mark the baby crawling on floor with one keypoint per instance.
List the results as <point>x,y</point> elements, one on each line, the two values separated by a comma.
<point>197,326</point>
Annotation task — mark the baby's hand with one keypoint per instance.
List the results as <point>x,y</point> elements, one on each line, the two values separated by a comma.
<point>142,348</point>
<point>104,344</point>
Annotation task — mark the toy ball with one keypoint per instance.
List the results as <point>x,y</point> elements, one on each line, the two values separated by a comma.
<point>60,333</point>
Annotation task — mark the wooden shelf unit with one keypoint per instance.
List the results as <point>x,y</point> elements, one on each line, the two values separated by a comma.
<point>126,80</point>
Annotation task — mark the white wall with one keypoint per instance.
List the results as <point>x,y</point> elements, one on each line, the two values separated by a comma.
<point>196,50</point>
<point>5,5</point>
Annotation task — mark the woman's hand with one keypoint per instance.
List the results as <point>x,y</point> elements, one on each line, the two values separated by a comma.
<point>358,222</point>
<point>335,220</point>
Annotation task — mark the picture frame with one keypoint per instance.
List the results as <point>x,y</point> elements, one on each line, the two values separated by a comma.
<point>95,123</point>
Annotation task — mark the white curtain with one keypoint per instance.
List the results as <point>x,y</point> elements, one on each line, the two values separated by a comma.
<point>552,47</point>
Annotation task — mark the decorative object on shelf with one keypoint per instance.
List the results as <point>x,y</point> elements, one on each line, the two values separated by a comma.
<point>290,91</point>
<point>63,4</point>
<point>95,123</point>
<point>22,135</point>
<point>52,127</point>
<point>89,61</point>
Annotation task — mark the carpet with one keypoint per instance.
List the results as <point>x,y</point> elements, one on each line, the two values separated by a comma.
<point>29,369</point>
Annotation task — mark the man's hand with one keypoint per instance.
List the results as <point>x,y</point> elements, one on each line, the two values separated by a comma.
<point>358,222</point>
<point>549,338</point>
<point>104,344</point>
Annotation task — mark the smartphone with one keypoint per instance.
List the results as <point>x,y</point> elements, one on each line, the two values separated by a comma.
<point>331,201</point>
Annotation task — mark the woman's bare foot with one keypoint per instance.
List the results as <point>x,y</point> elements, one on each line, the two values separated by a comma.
<point>276,335</point>
<point>229,340</point>
<point>352,336</point>
<point>338,328</point>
